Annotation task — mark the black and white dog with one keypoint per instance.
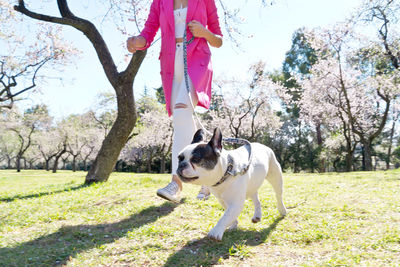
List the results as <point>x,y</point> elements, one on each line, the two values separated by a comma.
<point>205,163</point>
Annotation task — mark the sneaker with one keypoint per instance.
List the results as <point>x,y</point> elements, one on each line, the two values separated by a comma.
<point>204,193</point>
<point>171,192</point>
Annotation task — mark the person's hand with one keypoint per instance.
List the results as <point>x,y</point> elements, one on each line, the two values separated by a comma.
<point>135,42</point>
<point>197,29</point>
<point>131,44</point>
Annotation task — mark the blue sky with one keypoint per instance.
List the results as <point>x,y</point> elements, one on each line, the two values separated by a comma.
<point>267,34</point>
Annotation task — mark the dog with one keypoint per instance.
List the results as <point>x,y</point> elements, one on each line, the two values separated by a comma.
<point>208,164</point>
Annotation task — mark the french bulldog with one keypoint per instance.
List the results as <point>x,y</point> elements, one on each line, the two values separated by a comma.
<point>207,163</point>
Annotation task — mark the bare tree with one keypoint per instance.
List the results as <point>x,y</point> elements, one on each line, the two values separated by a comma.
<point>122,83</point>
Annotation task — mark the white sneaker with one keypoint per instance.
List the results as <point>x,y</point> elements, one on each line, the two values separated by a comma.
<point>171,192</point>
<point>204,193</point>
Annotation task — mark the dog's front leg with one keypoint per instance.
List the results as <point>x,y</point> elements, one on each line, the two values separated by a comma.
<point>228,219</point>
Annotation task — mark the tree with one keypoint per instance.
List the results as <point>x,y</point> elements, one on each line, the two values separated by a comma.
<point>153,143</point>
<point>24,55</point>
<point>8,147</point>
<point>395,116</point>
<point>47,142</point>
<point>383,16</point>
<point>298,62</point>
<point>338,89</point>
<point>157,142</point>
<point>32,157</point>
<point>245,112</point>
<point>61,150</point>
<point>23,127</point>
<point>121,81</point>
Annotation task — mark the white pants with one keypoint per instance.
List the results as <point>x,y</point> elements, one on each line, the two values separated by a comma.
<point>182,118</point>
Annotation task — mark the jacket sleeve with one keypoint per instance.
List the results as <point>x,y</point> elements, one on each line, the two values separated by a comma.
<point>152,24</point>
<point>212,18</point>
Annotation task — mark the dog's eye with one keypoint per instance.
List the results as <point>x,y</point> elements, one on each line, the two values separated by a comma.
<point>181,157</point>
<point>195,159</point>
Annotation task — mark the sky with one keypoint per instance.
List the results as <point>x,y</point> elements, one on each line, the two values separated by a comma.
<point>266,36</point>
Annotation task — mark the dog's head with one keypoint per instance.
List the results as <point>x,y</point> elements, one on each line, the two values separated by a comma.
<point>199,162</point>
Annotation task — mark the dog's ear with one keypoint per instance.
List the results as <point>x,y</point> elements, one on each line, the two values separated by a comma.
<point>216,141</point>
<point>198,136</point>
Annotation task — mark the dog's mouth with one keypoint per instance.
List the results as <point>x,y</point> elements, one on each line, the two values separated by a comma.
<point>184,178</point>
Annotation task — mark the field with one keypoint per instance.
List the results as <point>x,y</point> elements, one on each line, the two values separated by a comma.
<point>347,219</point>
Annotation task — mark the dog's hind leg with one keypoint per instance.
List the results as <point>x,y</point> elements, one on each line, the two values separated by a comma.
<point>257,208</point>
<point>274,176</point>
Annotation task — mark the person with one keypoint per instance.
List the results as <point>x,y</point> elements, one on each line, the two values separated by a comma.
<point>199,19</point>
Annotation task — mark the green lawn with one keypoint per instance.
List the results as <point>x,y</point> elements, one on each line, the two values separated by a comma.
<point>346,219</point>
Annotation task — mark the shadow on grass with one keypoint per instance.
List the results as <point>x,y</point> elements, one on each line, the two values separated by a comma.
<point>73,188</point>
<point>68,241</point>
<point>205,252</point>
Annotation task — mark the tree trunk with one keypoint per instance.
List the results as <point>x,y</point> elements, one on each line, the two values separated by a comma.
<point>74,163</point>
<point>335,164</point>
<point>9,163</point>
<point>389,153</point>
<point>367,156</point>
<point>320,142</point>
<point>149,160</point>
<point>55,166</point>
<point>349,160</point>
<point>47,164</point>
<point>162,164</point>
<point>57,157</point>
<point>112,145</point>
<point>18,163</point>
<point>84,165</point>
<point>349,154</point>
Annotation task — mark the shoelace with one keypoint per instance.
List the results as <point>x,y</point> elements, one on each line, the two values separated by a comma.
<point>171,188</point>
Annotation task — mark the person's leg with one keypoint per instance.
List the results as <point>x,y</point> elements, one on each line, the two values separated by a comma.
<point>189,125</point>
<point>184,127</point>
<point>172,190</point>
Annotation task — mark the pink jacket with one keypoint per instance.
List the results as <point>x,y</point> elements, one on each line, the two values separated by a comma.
<point>198,52</point>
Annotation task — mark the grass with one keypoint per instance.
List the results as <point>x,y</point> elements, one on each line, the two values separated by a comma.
<point>346,219</point>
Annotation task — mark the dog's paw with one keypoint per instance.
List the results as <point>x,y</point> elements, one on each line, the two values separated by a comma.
<point>215,234</point>
<point>282,211</point>
<point>233,226</point>
<point>256,219</point>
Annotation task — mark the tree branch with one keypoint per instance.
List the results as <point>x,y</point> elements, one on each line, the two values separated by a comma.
<point>64,9</point>
<point>86,27</point>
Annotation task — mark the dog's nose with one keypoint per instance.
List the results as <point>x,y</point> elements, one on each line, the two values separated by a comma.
<point>182,165</point>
